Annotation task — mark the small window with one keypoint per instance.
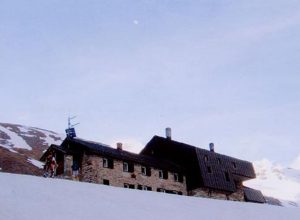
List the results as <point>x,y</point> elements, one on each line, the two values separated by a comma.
<point>163,174</point>
<point>128,186</point>
<point>219,160</point>
<point>227,177</point>
<point>176,177</point>
<point>125,167</point>
<point>106,182</point>
<point>234,165</point>
<point>209,170</point>
<point>146,188</point>
<point>144,171</point>
<point>105,162</point>
<point>161,190</point>
<point>108,163</point>
<point>205,158</point>
<point>209,193</point>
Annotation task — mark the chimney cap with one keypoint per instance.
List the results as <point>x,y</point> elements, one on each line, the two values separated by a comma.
<point>212,147</point>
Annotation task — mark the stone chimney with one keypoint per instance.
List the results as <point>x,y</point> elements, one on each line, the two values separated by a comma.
<point>168,133</point>
<point>119,146</point>
<point>212,147</point>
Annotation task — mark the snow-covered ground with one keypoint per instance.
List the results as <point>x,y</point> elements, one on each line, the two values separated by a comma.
<point>28,198</point>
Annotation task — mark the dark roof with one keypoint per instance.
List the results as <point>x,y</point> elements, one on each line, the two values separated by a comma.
<point>253,195</point>
<point>52,147</point>
<point>107,151</point>
<point>221,165</point>
<point>217,171</point>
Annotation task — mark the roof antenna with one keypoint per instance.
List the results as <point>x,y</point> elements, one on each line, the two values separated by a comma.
<point>70,131</point>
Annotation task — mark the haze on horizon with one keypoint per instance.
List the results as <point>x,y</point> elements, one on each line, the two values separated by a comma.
<point>214,71</point>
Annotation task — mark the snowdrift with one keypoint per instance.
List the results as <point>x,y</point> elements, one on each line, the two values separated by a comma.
<point>28,197</point>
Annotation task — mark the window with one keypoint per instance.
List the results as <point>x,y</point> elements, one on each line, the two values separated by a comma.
<point>108,163</point>
<point>161,190</point>
<point>146,171</point>
<point>146,188</point>
<point>209,193</point>
<point>209,170</point>
<point>172,192</point>
<point>128,167</point>
<point>105,182</point>
<point>163,174</point>
<point>105,162</point>
<point>205,158</point>
<point>227,177</point>
<point>234,165</point>
<point>178,177</point>
<point>129,186</point>
<point>125,167</point>
<point>219,160</point>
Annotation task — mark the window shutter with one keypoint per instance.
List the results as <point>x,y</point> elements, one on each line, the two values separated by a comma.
<point>130,167</point>
<point>165,174</point>
<point>111,163</point>
<point>148,171</point>
<point>180,178</point>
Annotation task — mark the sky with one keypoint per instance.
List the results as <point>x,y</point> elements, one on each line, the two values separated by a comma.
<point>224,71</point>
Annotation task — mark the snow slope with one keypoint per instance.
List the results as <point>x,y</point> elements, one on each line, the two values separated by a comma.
<point>27,198</point>
<point>276,181</point>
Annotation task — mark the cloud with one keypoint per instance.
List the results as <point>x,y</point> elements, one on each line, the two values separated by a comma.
<point>296,163</point>
<point>136,22</point>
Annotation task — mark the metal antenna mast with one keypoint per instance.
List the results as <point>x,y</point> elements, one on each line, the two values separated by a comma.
<point>70,131</point>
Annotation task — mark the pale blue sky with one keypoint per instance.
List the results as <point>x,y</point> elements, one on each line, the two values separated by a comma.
<point>226,72</point>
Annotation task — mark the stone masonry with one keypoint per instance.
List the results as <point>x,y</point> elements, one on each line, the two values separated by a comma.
<point>93,171</point>
<point>208,193</point>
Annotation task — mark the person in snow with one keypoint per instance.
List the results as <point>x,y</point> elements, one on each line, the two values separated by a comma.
<point>53,166</point>
<point>47,165</point>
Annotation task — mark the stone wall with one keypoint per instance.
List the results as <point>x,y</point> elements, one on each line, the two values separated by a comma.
<point>208,193</point>
<point>68,161</point>
<point>93,171</point>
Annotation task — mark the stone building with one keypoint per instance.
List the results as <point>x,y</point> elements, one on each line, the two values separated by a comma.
<point>164,165</point>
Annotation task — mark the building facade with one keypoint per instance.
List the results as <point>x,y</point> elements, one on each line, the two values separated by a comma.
<point>164,165</point>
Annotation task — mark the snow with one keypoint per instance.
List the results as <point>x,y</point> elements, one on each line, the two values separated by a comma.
<point>15,140</point>
<point>36,163</point>
<point>28,197</point>
<point>50,140</point>
<point>276,181</point>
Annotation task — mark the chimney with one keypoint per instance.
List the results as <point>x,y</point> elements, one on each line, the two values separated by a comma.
<point>212,147</point>
<point>168,133</point>
<point>119,146</point>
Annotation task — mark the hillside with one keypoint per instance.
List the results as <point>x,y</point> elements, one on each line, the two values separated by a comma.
<point>27,197</point>
<point>22,146</point>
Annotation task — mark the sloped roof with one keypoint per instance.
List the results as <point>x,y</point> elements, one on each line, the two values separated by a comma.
<point>217,171</point>
<point>107,151</point>
<point>253,195</point>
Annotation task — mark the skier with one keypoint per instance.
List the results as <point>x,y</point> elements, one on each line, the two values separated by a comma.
<point>47,165</point>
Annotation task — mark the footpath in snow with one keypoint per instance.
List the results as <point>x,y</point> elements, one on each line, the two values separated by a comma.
<point>28,198</point>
